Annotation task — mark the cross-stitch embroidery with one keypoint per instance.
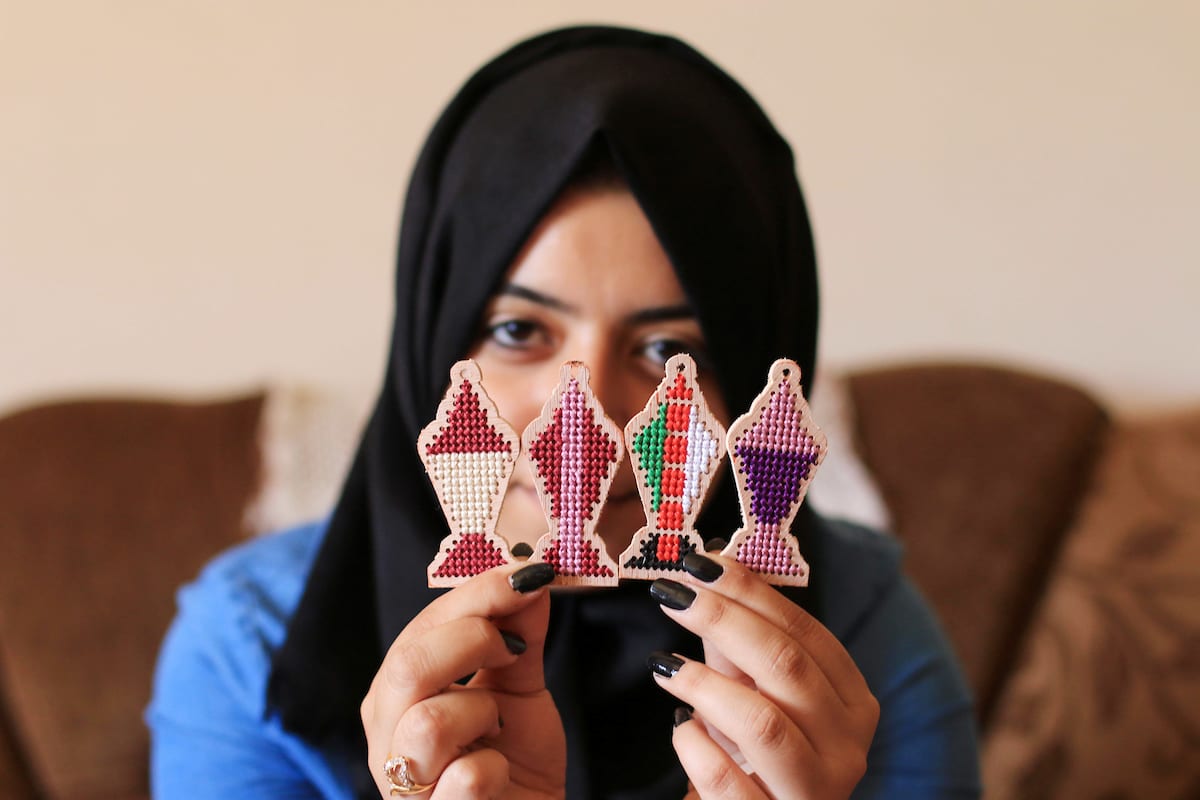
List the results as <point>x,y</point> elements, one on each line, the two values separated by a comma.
<point>469,452</point>
<point>775,448</point>
<point>676,446</point>
<point>575,451</point>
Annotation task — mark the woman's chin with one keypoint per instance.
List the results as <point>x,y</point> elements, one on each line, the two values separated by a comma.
<point>620,520</point>
<point>521,519</point>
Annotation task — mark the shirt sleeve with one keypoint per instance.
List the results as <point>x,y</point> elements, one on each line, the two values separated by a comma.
<point>210,734</point>
<point>925,745</point>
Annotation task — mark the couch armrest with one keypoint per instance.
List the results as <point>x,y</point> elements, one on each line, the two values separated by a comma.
<point>106,507</point>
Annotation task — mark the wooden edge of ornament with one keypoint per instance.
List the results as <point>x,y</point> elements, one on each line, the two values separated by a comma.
<point>485,548</point>
<point>789,566</point>
<point>669,545</point>
<point>589,541</point>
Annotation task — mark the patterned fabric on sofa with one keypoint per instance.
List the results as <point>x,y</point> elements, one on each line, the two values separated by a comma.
<point>1106,700</point>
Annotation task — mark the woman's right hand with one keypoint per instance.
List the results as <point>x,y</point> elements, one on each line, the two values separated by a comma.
<point>500,735</point>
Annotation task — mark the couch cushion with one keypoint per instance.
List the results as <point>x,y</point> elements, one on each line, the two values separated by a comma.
<point>844,486</point>
<point>981,469</point>
<point>106,507</point>
<point>307,439</point>
<point>1106,702</point>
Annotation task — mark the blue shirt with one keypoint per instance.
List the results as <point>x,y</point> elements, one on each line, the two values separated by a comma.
<point>213,738</point>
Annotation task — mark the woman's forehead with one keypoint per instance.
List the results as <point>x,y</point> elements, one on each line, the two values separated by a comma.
<point>596,251</point>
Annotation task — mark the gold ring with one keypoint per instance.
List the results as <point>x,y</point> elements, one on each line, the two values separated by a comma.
<point>398,771</point>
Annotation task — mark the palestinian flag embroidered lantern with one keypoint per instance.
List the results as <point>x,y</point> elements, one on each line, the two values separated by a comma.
<point>676,446</point>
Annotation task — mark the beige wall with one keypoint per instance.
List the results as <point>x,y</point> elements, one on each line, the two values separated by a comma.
<point>201,196</point>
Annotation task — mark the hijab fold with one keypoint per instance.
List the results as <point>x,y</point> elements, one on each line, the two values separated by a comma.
<point>717,183</point>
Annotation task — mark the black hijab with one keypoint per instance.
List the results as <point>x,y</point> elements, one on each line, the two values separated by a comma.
<point>718,185</point>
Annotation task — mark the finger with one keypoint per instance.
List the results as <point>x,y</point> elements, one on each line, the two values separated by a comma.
<point>514,597</point>
<point>424,665</point>
<point>726,576</point>
<point>718,661</point>
<point>774,745</point>
<point>499,592</point>
<point>526,675</point>
<point>713,774</point>
<point>779,665</point>
<point>435,732</point>
<point>477,775</point>
<point>424,658</point>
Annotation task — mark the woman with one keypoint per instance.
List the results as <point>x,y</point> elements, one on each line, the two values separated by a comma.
<point>609,196</point>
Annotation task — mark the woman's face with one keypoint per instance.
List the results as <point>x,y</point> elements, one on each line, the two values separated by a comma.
<point>592,284</point>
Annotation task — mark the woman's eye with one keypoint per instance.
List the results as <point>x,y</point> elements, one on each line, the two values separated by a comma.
<point>515,333</point>
<point>659,350</point>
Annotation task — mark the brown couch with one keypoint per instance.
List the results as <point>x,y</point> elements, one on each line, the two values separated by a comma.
<point>1061,547</point>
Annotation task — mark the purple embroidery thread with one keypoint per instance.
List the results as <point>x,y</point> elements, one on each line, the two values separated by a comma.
<point>776,449</point>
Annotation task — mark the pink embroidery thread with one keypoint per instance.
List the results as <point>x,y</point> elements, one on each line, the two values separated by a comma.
<point>574,450</point>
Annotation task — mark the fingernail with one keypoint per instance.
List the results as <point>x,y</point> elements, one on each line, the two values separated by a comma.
<point>702,567</point>
<point>672,594</point>
<point>522,550</point>
<point>682,715</point>
<point>534,576</point>
<point>664,664</point>
<point>515,644</point>
<point>715,543</point>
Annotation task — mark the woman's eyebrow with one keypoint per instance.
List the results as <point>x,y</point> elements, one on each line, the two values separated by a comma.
<point>662,314</point>
<point>514,290</point>
<point>642,316</point>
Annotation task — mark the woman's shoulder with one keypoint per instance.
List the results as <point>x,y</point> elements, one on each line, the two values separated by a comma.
<point>262,576</point>
<point>870,604</point>
<point>882,619</point>
<point>235,614</point>
<point>267,571</point>
<point>857,567</point>
<point>208,714</point>
<point>925,744</point>
<point>843,537</point>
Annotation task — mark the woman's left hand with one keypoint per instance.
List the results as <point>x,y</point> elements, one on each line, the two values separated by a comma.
<point>775,682</point>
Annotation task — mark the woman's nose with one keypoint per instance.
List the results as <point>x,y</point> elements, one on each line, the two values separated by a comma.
<point>612,387</point>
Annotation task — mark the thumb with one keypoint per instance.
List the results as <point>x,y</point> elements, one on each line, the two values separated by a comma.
<point>527,674</point>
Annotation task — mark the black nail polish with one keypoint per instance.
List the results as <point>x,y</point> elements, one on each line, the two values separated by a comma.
<point>715,543</point>
<point>672,594</point>
<point>522,550</point>
<point>682,715</point>
<point>534,576</point>
<point>515,644</point>
<point>664,664</point>
<point>702,567</point>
